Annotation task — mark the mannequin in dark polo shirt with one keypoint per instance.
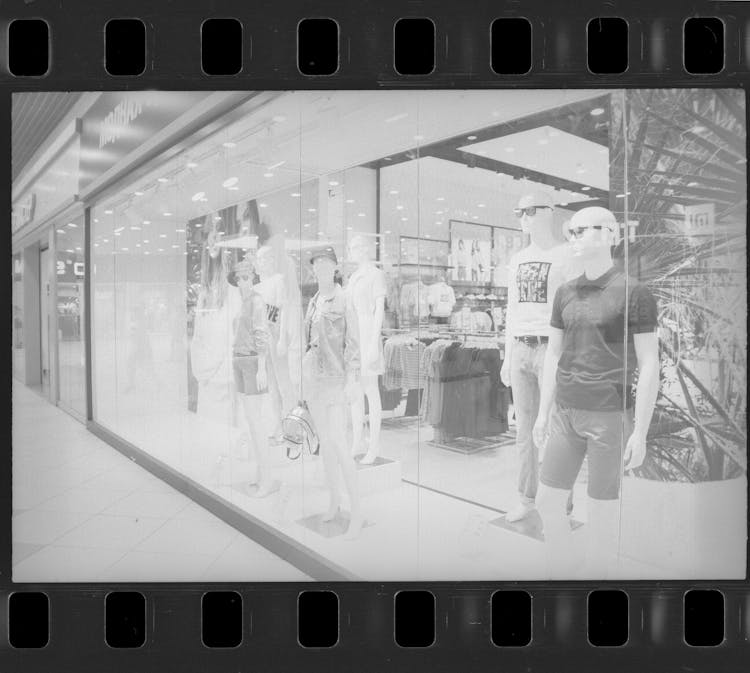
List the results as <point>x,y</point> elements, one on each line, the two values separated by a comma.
<point>603,327</point>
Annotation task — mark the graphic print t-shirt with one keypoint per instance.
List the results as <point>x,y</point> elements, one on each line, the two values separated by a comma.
<point>534,275</point>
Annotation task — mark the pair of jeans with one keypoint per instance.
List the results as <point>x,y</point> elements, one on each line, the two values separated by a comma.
<point>526,365</point>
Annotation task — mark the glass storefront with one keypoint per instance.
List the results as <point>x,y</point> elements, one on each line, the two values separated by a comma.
<point>413,197</point>
<point>19,355</point>
<point>71,351</point>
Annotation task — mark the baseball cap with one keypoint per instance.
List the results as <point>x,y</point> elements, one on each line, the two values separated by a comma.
<point>326,252</point>
<point>536,198</point>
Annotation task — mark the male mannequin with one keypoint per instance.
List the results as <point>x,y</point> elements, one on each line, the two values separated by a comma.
<point>588,369</point>
<point>534,274</point>
<point>365,294</point>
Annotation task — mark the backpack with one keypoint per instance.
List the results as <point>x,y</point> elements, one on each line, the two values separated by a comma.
<point>299,432</point>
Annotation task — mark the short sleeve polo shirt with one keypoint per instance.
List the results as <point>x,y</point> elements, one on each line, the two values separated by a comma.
<point>596,367</point>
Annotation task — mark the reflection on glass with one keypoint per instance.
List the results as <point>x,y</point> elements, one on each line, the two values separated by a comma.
<point>19,355</point>
<point>70,311</point>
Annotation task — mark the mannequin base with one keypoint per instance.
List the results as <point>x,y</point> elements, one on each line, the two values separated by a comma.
<point>531,525</point>
<point>384,474</point>
<point>336,527</point>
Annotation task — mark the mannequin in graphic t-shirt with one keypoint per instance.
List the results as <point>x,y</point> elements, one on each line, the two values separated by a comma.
<point>534,274</point>
<point>365,298</point>
<point>272,288</point>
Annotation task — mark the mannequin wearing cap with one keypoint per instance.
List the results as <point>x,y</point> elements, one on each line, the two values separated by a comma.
<point>603,325</point>
<point>534,274</point>
<point>272,288</point>
<point>365,294</point>
<point>249,355</point>
<point>330,367</point>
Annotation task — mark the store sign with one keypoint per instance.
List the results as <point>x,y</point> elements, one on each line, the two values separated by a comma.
<point>700,220</point>
<point>121,121</point>
<point>69,271</point>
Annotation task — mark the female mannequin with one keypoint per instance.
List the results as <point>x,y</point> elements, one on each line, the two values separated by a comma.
<point>249,355</point>
<point>330,366</point>
<point>272,288</point>
<point>365,295</point>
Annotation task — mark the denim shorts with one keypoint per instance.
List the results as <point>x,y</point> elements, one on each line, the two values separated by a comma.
<point>600,435</point>
<point>245,369</point>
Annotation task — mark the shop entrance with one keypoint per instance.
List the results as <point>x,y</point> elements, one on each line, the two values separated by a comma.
<point>45,259</point>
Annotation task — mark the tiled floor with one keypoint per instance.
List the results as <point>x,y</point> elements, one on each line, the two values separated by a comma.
<point>84,512</point>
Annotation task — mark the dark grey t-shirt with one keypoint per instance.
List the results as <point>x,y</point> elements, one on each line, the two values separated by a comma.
<point>591,313</point>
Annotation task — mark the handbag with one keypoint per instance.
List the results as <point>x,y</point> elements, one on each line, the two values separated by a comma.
<point>299,432</point>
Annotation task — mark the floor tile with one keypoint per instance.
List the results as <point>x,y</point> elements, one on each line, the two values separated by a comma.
<point>65,564</point>
<point>188,536</point>
<point>149,504</point>
<point>89,500</point>
<point>22,550</point>
<point>142,566</point>
<point>110,532</point>
<point>43,527</point>
<point>247,561</point>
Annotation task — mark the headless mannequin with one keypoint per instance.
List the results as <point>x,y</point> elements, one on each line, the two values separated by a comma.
<point>272,289</point>
<point>366,307</point>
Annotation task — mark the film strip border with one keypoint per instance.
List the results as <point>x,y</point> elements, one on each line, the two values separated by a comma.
<point>332,43</point>
<point>346,619</point>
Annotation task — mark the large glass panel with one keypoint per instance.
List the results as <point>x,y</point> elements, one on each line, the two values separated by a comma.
<point>70,311</point>
<point>682,191</point>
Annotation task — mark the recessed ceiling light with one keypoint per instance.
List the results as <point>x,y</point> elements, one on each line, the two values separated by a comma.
<point>597,111</point>
<point>441,198</point>
<point>137,193</point>
<point>510,149</point>
<point>564,203</point>
<point>585,189</point>
<point>388,231</point>
<point>480,205</point>
<point>198,196</point>
<point>350,200</point>
<point>175,246</point>
<point>146,252</point>
<point>180,231</point>
<point>399,207</point>
<point>162,235</point>
<point>117,233</point>
<point>320,233</point>
<point>145,240</point>
<point>61,231</point>
<point>192,164</point>
<point>108,212</point>
<point>279,119</point>
<point>296,195</point>
<point>307,224</point>
<point>124,249</point>
<point>162,180</point>
<point>167,214</point>
<point>543,141</point>
<point>360,214</point>
<point>146,221</point>
<point>137,245</point>
<point>475,217</point>
<point>471,137</point>
<point>427,236</point>
<point>580,171</point>
<point>404,219</point>
<point>96,245</point>
<point>286,231</point>
<point>418,137</point>
<point>263,205</point>
<point>160,250</point>
<point>119,229</point>
<point>393,192</point>
<point>333,183</point>
<point>230,182</point>
<point>95,220</point>
<point>438,212</point>
<point>135,227</point>
<point>311,210</point>
<point>105,240</point>
<point>229,144</point>
<point>267,175</point>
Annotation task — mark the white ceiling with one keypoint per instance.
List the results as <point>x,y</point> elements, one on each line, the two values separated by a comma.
<point>552,151</point>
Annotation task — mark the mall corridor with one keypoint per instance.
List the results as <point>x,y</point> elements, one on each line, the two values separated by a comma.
<point>84,512</point>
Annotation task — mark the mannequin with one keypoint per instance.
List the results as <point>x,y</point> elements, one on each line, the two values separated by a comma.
<point>366,291</point>
<point>441,299</point>
<point>272,288</point>
<point>612,319</point>
<point>535,273</point>
<point>330,367</point>
<point>249,357</point>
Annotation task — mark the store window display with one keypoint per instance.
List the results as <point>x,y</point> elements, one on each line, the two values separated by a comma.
<point>535,273</point>
<point>277,289</point>
<point>331,366</point>
<point>602,327</point>
<point>441,299</point>
<point>365,293</point>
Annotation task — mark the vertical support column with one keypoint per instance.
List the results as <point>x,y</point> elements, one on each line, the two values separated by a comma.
<point>32,328</point>
<point>87,331</point>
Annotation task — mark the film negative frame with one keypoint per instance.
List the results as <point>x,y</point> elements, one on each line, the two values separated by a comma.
<point>366,610</point>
